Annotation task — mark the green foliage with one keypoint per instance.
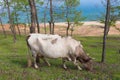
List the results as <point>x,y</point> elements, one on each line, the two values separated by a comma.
<point>114,15</point>
<point>77,19</point>
<point>69,12</point>
<point>3,14</point>
<point>117,8</point>
<point>39,2</point>
<point>72,3</point>
<point>18,6</point>
<point>13,60</point>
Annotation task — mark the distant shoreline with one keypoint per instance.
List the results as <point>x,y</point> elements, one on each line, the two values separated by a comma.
<point>89,28</point>
<point>84,23</point>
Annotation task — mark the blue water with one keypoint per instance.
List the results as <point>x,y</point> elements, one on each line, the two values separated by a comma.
<point>90,9</point>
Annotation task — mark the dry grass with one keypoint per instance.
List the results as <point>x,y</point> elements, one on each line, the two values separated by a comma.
<point>92,28</point>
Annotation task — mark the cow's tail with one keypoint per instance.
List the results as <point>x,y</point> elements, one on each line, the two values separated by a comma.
<point>29,58</point>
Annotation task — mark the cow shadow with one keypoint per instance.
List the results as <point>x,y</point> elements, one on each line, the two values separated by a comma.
<point>21,62</point>
<point>57,63</point>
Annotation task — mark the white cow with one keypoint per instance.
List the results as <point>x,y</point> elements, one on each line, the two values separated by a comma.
<point>55,46</point>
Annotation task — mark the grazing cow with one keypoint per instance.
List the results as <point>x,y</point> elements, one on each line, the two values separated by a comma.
<point>55,46</point>
<point>35,53</point>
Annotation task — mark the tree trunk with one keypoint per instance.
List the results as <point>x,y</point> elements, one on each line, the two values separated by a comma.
<point>50,27</point>
<point>33,20</point>
<point>67,28</point>
<point>11,21</point>
<point>38,27</point>
<point>28,20</point>
<point>51,18</point>
<point>72,30</point>
<point>53,27</point>
<point>108,29</point>
<point>68,22</point>
<point>105,30</point>
<point>45,18</point>
<point>3,28</point>
<point>17,24</point>
<point>45,23</point>
<point>25,29</point>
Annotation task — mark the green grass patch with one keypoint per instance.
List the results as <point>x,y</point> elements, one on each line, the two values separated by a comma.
<point>13,61</point>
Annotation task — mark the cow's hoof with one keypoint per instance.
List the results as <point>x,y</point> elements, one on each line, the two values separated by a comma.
<point>79,68</point>
<point>36,67</point>
<point>49,65</point>
<point>64,67</point>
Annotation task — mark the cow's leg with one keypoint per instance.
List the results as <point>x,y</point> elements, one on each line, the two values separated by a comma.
<point>64,65</point>
<point>73,58</point>
<point>46,61</point>
<point>76,64</point>
<point>42,57</point>
<point>37,59</point>
<point>34,58</point>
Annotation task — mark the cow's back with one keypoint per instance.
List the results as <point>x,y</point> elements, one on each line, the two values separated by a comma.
<point>53,50</point>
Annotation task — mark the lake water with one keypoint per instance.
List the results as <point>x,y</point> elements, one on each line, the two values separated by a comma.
<point>91,9</point>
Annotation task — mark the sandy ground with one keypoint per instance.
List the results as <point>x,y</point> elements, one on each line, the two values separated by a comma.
<point>90,28</point>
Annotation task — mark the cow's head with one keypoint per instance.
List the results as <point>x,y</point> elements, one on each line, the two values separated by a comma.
<point>83,58</point>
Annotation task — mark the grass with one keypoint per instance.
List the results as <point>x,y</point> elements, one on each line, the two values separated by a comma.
<point>13,61</point>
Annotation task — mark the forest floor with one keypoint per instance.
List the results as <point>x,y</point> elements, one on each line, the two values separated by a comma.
<point>90,28</point>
